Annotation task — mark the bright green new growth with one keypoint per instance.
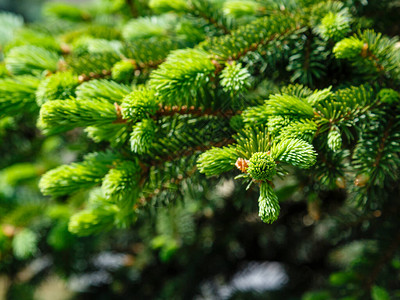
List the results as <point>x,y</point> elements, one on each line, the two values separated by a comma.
<point>268,204</point>
<point>67,179</point>
<point>239,8</point>
<point>102,89</point>
<point>93,220</point>
<point>183,76</point>
<point>142,136</point>
<point>161,6</point>
<point>145,27</point>
<point>296,152</point>
<point>262,166</point>
<point>349,48</point>
<point>288,105</point>
<point>298,129</point>
<point>63,115</point>
<point>8,25</point>
<point>389,96</point>
<point>65,11</point>
<point>60,85</point>
<point>234,78</point>
<point>121,183</point>
<point>217,161</point>
<point>334,139</point>
<point>139,104</point>
<point>31,60</point>
<point>335,26</point>
<point>123,71</point>
<point>17,94</point>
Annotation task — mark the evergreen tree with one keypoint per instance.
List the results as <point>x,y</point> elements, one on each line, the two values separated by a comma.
<point>194,136</point>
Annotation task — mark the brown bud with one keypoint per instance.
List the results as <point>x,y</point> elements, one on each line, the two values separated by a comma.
<point>361,180</point>
<point>340,182</point>
<point>242,164</point>
<point>364,51</point>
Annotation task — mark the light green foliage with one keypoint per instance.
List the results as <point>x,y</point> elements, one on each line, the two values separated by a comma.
<point>145,28</point>
<point>31,60</point>
<point>139,104</point>
<point>93,220</point>
<point>8,24</point>
<point>123,71</point>
<point>334,139</point>
<point>268,204</point>
<point>62,115</point>
<point>298,129</point>
<point>102,89</point>
<point>389,96</point>
<point>217,161</point>
<point>115,134</point>
<point>24,244</point>
<point>121,183</point>
<point>184,75</point>
<point>142,136</point>
<point>161,6</point>
<point>167,244</point>
<point>93,46</point>
<point>335,26</point>
<point>258,115</point>
<point>234,78</point>
<point>27,36</point>
<point>295,152</point>
<point>3,71</point>
<point>17,94</point>
<point>60,85</point>
<point>252,140</point>
<point>288,105</point>
<point>274,123</point>
<point>319,95</point>
<point>67,179</point>
<point>17,174</point>
<point>349,48</point>
<point>237,9</point>
<point>65,11</point>
<point>262,166</point>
